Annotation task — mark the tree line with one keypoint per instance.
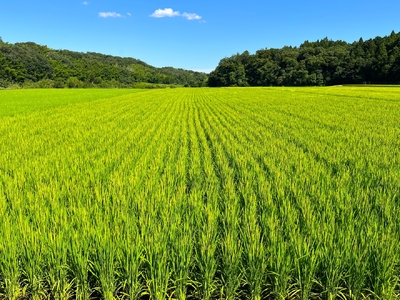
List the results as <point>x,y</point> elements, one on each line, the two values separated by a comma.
<point>324,62</point>
<point>32,65</point>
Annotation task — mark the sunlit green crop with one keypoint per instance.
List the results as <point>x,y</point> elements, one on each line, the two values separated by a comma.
<point>259,193</point>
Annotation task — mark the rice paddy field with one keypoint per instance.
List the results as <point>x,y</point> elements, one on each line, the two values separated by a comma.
<point>236,193</point>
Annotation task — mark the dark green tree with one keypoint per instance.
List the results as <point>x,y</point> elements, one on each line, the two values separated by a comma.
<point>324,62</point>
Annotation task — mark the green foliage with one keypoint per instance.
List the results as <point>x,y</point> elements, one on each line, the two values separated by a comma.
<point>324,62</point>
<point>239,193</point>
<point>27,64</point>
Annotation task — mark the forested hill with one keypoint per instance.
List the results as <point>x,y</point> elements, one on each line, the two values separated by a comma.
<point>324,62</point>
<point>32,65</point>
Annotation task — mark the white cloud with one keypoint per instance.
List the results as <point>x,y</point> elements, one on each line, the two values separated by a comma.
<point>191,16</point>
<point>109,15</point>
<point>129,14</point>
<point>85,3</point>
<point>167,12</point>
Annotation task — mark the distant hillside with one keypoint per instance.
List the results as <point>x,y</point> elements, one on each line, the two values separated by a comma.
<point>32,65</point>
<point>324,62</point>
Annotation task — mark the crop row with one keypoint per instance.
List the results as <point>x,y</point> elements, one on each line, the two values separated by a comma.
<point>203,193</point>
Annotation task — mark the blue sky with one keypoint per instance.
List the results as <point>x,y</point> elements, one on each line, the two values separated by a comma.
<point>191,34</point>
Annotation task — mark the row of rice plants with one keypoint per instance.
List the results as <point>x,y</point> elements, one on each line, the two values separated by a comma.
<point>203,193</point>
<point>323,185</point>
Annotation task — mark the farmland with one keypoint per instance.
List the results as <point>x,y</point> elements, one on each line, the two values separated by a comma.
<point>260,193</point>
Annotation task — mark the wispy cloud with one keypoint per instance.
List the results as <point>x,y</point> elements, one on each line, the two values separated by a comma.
<point>109,15</point>
<point>85,3</point>
<point>169,12</point>
<point>166,12</point>
<point>129,14</point>
<point>191,16</point>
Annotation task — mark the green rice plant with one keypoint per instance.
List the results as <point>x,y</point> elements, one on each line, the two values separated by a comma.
<point>384,279</point>
<point>158,270</point>
<point>32,263</point>
<point>10,269</point>
<point>279,271</point>
<point>306,264</point>
<point>57,269</point>
<point>80,264</point>
<point>354,242</point>
<point>105,262</point>
<point>206,248</point>
<point>132,261</point>
<point>181,249</point>
<point>333,261</point>
<point>231,252</point>
<point>255,261</point>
